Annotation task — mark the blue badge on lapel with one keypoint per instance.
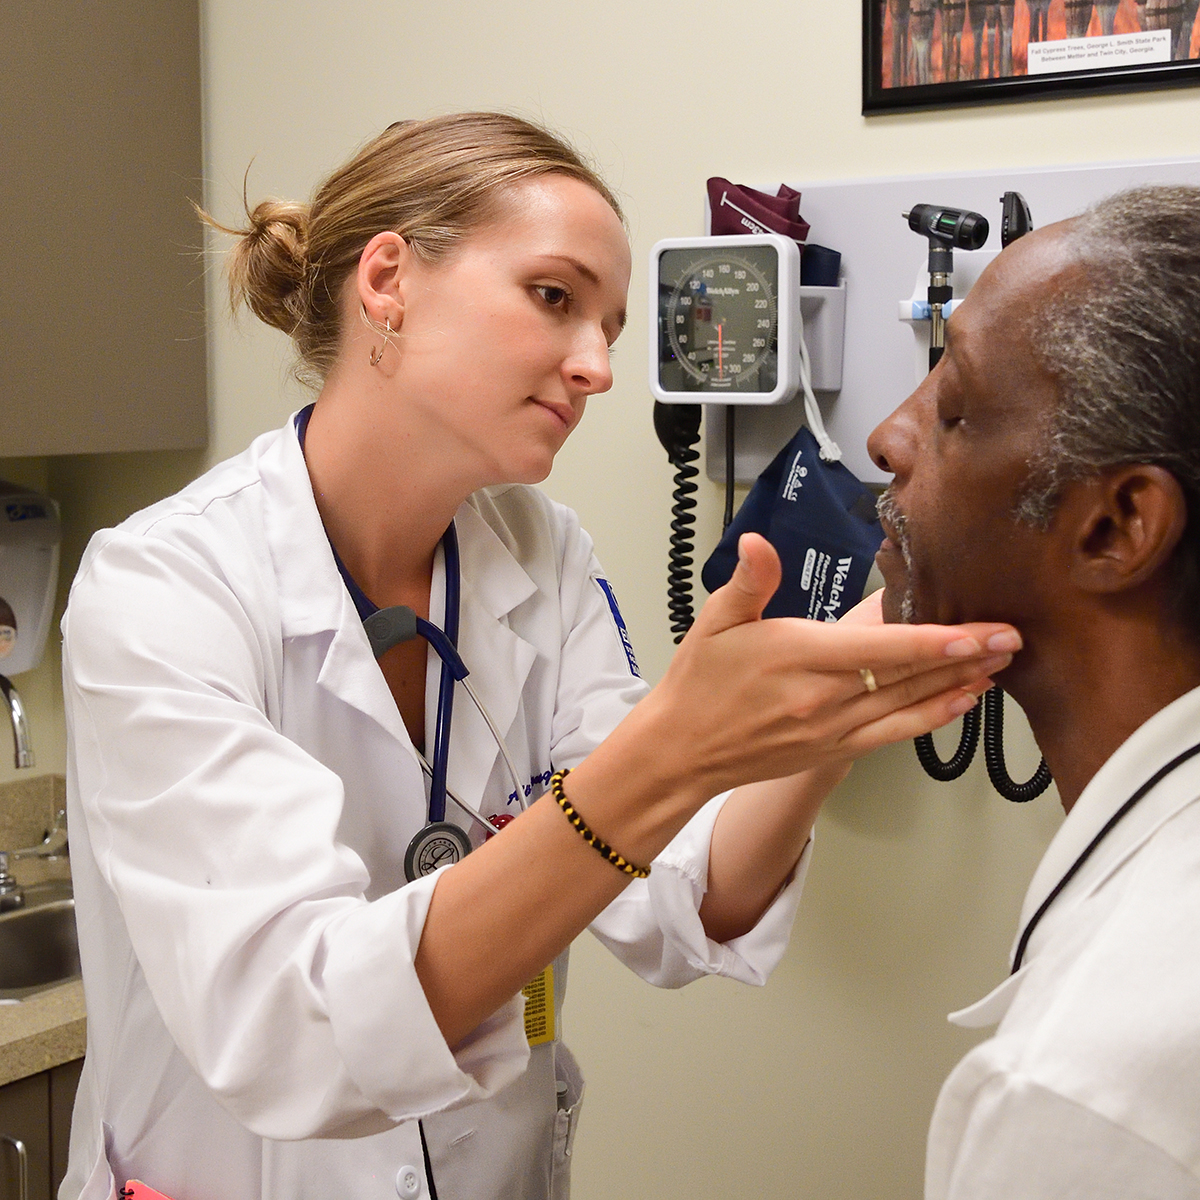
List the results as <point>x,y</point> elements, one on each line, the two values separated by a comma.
<point>619,621</point>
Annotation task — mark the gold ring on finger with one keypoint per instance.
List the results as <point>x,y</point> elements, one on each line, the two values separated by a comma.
<point>868,678</point>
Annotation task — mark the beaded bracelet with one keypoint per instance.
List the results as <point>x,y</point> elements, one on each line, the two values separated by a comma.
<point>618,860</point>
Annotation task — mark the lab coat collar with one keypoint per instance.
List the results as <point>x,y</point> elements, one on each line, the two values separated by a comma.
<point>313,600</point>
<point>1149,748</point>
<point>993,1008</point>
<point>312,596</point>
<point>493,580</point>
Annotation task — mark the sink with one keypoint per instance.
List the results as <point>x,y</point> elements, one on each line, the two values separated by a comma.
<point>38,945</point>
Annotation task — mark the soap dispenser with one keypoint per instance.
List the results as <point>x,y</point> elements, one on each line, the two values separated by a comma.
<point>30,533</point>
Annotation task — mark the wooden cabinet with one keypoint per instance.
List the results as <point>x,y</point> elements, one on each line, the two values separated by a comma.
<point>101,281</point>
<point>37,1112</point>
<point>25,1118</point>
<point>64,1081</point>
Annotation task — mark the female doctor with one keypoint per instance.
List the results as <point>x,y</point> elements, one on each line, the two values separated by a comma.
<point>277,1007</point>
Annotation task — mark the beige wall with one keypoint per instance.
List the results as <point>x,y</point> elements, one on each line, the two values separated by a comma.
<point>821,1083</point>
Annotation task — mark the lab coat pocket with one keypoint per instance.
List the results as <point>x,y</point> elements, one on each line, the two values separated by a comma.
<point>569,1085</point>
<point>100,1185</point>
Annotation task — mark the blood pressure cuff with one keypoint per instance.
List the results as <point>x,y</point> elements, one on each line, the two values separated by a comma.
<point>736,208</point>
<point>820,518</point>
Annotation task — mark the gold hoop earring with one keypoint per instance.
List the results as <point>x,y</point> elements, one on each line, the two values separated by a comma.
<point>387,332</point>
<point>377,355</point>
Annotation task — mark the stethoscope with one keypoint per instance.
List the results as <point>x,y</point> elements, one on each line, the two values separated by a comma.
<point>439,842</point>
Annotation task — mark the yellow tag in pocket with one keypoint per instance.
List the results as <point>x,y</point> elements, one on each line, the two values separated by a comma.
<point>539,1008</point>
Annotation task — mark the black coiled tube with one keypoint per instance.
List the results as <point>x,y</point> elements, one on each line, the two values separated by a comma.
<point>993,755</point>
<point>960,760</point>
<point>678,429</point>
<point>683,529</point>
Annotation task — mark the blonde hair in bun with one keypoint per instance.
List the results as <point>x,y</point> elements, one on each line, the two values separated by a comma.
<point>430,181</point>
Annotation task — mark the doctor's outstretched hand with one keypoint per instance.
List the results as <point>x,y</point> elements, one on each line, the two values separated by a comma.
<point>774,709</point>
<point>758,699</point>
<point>803,711</point>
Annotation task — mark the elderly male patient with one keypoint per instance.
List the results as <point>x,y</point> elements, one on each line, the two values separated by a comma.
<point>1047,473</point>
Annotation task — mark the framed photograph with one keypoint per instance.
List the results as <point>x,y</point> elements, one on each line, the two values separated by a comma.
<point>937,53</point>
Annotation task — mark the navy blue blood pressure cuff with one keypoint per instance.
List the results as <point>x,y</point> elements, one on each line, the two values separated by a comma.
<point>821,520</point>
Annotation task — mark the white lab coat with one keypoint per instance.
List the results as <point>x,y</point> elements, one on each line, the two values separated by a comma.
<point>242,790</point>
<point>1091,1085</point>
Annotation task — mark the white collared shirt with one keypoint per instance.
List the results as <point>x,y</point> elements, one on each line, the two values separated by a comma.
<point>242,790</point>
<point>1091,1085</point>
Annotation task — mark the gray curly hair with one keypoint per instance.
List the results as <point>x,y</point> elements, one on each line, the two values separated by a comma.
<point>1124,348</point>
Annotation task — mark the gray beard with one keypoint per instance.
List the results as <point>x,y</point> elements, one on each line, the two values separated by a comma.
<point>898,523</point>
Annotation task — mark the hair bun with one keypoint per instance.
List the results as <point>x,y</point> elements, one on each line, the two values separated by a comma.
<point>268,269</point>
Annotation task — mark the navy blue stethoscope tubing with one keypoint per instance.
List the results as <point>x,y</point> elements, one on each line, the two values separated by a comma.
<point>445,644</point>
<point>444,641</point>
<point>445,708</point>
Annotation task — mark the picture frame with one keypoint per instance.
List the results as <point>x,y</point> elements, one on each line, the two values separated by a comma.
<point>923,54</point>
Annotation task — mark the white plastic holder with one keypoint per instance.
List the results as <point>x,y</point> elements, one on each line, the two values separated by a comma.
<point>968,266</point>
<point>824,313</point>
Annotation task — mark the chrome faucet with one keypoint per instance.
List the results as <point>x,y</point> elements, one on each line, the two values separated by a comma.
<point>11,894</point>
<point>22,750</point>
<point>54,844</point>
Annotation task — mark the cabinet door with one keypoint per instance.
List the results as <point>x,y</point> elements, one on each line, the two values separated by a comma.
<point>64,1081</point>
<point>101,283</point>
<point>25,1115</point>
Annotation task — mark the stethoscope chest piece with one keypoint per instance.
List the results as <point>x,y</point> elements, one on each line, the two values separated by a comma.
<point>438,844</point>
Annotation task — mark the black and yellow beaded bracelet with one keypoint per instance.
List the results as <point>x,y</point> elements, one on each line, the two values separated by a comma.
<point>618,860</point>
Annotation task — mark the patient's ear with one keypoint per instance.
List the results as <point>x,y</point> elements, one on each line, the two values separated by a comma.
<point>1123,526</point>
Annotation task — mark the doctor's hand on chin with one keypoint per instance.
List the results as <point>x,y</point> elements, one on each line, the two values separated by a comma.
<point>776,710</point>
<point>796,702</point>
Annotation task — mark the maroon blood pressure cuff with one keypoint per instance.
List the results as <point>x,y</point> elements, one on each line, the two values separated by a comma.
<point>739,209</point>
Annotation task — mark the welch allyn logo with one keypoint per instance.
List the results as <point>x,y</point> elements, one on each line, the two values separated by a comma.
<point>818,564</point>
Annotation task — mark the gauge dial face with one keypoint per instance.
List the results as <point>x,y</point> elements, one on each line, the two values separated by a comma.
<point>718,319</point>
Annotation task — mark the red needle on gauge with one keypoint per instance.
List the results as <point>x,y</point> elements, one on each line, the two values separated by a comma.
<point>720,356</point>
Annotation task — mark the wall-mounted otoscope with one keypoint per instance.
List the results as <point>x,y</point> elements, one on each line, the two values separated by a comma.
<point>946,228</point>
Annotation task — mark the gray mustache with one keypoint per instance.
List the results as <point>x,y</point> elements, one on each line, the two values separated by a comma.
<point>889,512</point>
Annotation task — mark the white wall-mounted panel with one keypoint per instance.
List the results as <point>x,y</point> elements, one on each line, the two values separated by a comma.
<point>880,256</point>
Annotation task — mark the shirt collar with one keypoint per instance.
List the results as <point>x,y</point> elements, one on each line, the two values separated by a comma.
<point>1148,749</point>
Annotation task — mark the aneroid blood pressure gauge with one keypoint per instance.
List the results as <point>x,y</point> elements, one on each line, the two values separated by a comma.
<point>727,320</point>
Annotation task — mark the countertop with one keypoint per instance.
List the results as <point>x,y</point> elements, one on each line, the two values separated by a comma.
<point>48,1028</point>
<point>42,1031</point>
